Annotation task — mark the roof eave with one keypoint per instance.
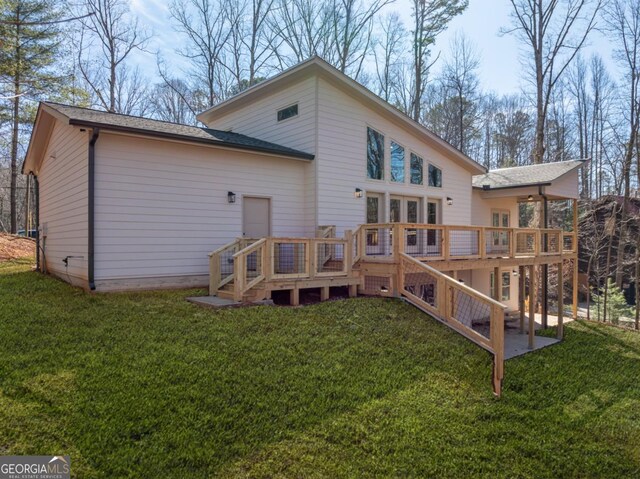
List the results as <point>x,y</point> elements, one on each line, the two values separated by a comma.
<point>190,139</point>
<point>528,185</point>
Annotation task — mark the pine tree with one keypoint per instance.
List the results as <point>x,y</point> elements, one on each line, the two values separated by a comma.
<point>30,41</point>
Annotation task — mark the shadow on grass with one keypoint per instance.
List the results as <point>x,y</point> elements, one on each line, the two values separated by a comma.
<point>147,385</point>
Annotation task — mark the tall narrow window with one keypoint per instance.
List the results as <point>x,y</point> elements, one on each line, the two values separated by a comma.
<point>397,163</point>
<point>435,176</point>
<point>412,217</point>
<point>506,286</point>
<point>288,112</point>
<point>375,155</point>
<point>373,212</point>
<point>395,210</point>
<point>432,219</point>
<point>416,169</point>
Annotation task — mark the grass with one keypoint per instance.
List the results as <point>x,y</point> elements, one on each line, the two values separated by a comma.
<point>148,385</point>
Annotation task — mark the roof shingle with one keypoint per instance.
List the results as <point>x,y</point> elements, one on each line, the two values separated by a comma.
<point>519,176</point>
<point>89,117</point>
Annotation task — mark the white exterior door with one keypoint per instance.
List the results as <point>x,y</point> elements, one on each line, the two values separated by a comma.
<point>256,217</point>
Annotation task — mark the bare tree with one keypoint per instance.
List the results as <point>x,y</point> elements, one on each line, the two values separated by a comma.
<point>206,27</point>
<point>303,29</point>
<point>553,32</point>
<point>623,21</point>
<point>461,86</point>
<point>430,18</point>
<point>108,39</point>
<point>388,55</point>
<point>352,31</point>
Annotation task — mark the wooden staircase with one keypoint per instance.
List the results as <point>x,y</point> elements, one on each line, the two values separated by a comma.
<point>249,270</point>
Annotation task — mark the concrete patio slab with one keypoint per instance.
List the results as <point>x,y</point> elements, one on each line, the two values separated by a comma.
<point>516,344</point>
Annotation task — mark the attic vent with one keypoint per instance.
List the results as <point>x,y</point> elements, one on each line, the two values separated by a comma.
<point>486,187</point>
<point>288,112</point>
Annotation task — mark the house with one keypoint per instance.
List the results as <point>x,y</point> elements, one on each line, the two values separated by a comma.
<point>129,203</point>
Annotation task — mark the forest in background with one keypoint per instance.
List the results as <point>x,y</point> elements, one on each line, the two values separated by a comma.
<point>572,106</point>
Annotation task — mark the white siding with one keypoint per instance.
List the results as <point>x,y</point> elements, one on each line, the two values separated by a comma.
<point>64,203</point>
<point>259,119</point>
<point>482,207</point>
<point>161,206</point>
<point>341,164</point>
<point>566,186</point>
<point>481,214</point>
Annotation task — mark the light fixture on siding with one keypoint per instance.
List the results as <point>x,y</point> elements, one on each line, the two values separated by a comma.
<point>515,272</point>
<point>530,198</point>
<point>358,193</point>
<point>449,201</point>
<point>384,289</point>
<point>231,197</point>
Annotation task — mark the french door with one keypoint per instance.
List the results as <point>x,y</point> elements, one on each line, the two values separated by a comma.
<point>500,239</point>
<point>406,209</point>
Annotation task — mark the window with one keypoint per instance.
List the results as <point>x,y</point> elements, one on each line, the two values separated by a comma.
<point>373,212</point>
<point>500,219</point>
<point>288,112</point>
<point>432,219</point>
<point>395,211</point>
<point>416,169</point>
<point>373,216</point>
<point>435,176</point>
<point>505,285</point>
<point>412,217</point>
<point>397,163</point>
<point>375,155</point>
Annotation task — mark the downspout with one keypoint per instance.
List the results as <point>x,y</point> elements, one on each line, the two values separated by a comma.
<point>545,267</point>
<point>36,193</point>
<point>91,207</point>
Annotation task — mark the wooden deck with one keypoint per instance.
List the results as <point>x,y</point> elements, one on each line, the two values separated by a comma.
<point>398,260</point>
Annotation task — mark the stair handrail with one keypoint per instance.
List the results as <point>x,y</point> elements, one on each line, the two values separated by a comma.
<point>215,266</point>
<point>240,283</point>
<point>444,307</point>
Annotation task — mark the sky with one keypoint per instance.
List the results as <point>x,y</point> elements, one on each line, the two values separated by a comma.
<point>500,67</point>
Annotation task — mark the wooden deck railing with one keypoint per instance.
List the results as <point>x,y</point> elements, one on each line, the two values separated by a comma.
<point>290,259</point>
<point>472,314</point>
<point>221,264</point>
<point>376,242</point>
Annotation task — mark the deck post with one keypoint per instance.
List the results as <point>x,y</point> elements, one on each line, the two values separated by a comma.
<point>521,287</point>
<point>294,297</point>
<point>497,343</point>
<point>348,251</point>
<point>214,273</point>
<point>560,331</point>
<point>533,293</point>
<point>324,293</point>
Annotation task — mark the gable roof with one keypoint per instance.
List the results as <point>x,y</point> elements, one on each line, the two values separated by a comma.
<point>78,116</point>
<point>521,176</point>
<point>317,66</point>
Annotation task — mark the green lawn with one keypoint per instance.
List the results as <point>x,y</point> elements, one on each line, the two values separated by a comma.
<point>148,385</point>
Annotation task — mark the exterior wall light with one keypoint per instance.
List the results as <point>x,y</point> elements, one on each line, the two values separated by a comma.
<point>449,201</point>
<point>530,198</point>
<point>231,197</point>
<point>358,193</point>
